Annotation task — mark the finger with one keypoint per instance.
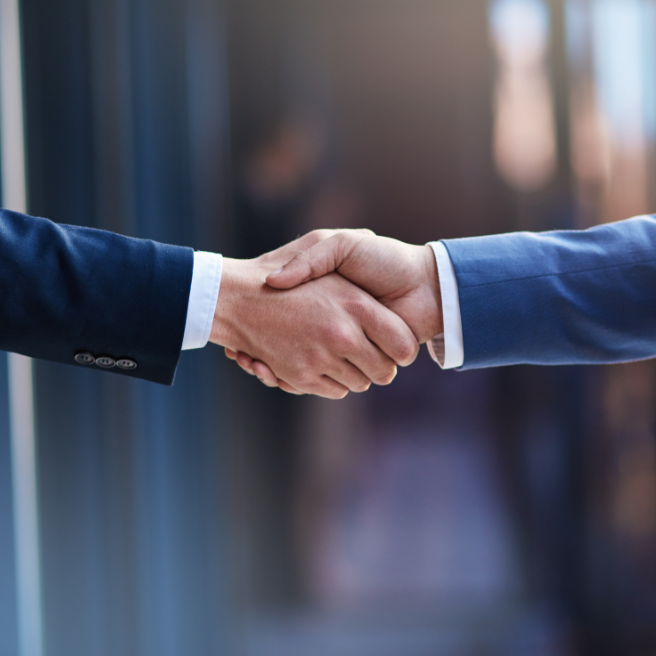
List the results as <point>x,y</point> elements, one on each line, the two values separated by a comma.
<point>319,260</point>
<point>323,386</point>
<point>230,354</point>
<point>348,375</point>
<point>245,362</point>
<point>282,255</point>
<point>265,374</point>
<point>330,389</point>
<point>390,333</point>
<point>315,237</point>
<point>375,365</point>
<point>286,387</point>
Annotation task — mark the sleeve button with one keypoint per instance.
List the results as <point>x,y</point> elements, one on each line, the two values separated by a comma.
<point>84,358</point>
<point>127,364</point>
<point>105,362</point>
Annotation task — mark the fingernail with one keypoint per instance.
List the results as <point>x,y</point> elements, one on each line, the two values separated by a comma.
<point>280,270</point>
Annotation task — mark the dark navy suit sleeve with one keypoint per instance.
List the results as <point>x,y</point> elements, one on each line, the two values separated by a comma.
<point>67,290</point>
<point>571,297</point>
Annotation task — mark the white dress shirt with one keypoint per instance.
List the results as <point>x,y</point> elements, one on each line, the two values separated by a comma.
<point>446,349</point>
<point>204,293</point>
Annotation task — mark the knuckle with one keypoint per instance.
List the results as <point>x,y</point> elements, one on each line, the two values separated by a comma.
<point>356,307</point>
<point>315,236</point>
<point>386,377</point>
<point>347,343</point>
<point>346,239</point>
<point>361,387</point>
<point>299,376</point>
<point>304,261</point>
<point>300,258</point>
<point>329,393</point>
<point>407,351</point>
<point>341,339</point>
<point>328,388</point>
<point>303,379</point>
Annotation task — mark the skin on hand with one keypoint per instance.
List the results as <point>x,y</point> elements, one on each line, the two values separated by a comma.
<point>271,261</point>
<point>259,369</point>
<point>324,338</point>
<point>401,276</point>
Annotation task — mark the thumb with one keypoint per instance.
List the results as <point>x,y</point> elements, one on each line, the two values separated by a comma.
<point>319,260</point>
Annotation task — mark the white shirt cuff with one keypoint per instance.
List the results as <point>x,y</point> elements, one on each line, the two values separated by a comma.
<point>203,295</point>
<point>448,349</point>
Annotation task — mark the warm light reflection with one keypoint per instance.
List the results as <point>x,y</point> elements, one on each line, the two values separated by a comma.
<point>590,142</point>
<point>610,45</point>
<point>524,131</point>
<point>283,163</point>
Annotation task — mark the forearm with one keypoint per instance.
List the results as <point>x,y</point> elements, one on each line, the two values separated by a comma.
<point>242,300</point>
<point>66,290</point>
<point>573,297</point>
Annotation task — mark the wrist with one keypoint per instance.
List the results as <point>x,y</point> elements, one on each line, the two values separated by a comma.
<point>435,320</point>
<point>238,279</point>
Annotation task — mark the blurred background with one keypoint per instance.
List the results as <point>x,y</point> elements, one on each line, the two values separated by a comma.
<point>495,512</point>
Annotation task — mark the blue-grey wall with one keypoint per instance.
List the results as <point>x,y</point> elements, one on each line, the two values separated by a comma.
<point>126,131</point>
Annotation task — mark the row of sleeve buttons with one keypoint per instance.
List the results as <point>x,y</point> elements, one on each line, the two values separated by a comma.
<point>105,361</point>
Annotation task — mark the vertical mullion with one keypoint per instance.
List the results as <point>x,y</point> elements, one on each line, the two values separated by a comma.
<point>21,385</point>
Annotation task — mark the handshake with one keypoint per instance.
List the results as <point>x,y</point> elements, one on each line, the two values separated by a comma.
<point>332,312</point>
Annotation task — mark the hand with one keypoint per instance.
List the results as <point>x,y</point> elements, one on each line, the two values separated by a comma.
<point>272,261</point>
<point>325,338</point>
<point>402,277</point>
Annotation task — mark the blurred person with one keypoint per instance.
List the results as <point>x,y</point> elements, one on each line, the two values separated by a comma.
<point>93,298</point>
<point>553,298</point>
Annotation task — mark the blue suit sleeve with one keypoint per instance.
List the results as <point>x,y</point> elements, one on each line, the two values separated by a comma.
<point>66,290</point>
<point>555,298</point>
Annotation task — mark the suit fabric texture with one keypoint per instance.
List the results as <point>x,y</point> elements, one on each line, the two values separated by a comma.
<point>558,298</point>
<point>66,290</point>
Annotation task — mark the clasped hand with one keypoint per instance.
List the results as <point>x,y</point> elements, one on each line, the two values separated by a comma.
<point>332,312</point>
